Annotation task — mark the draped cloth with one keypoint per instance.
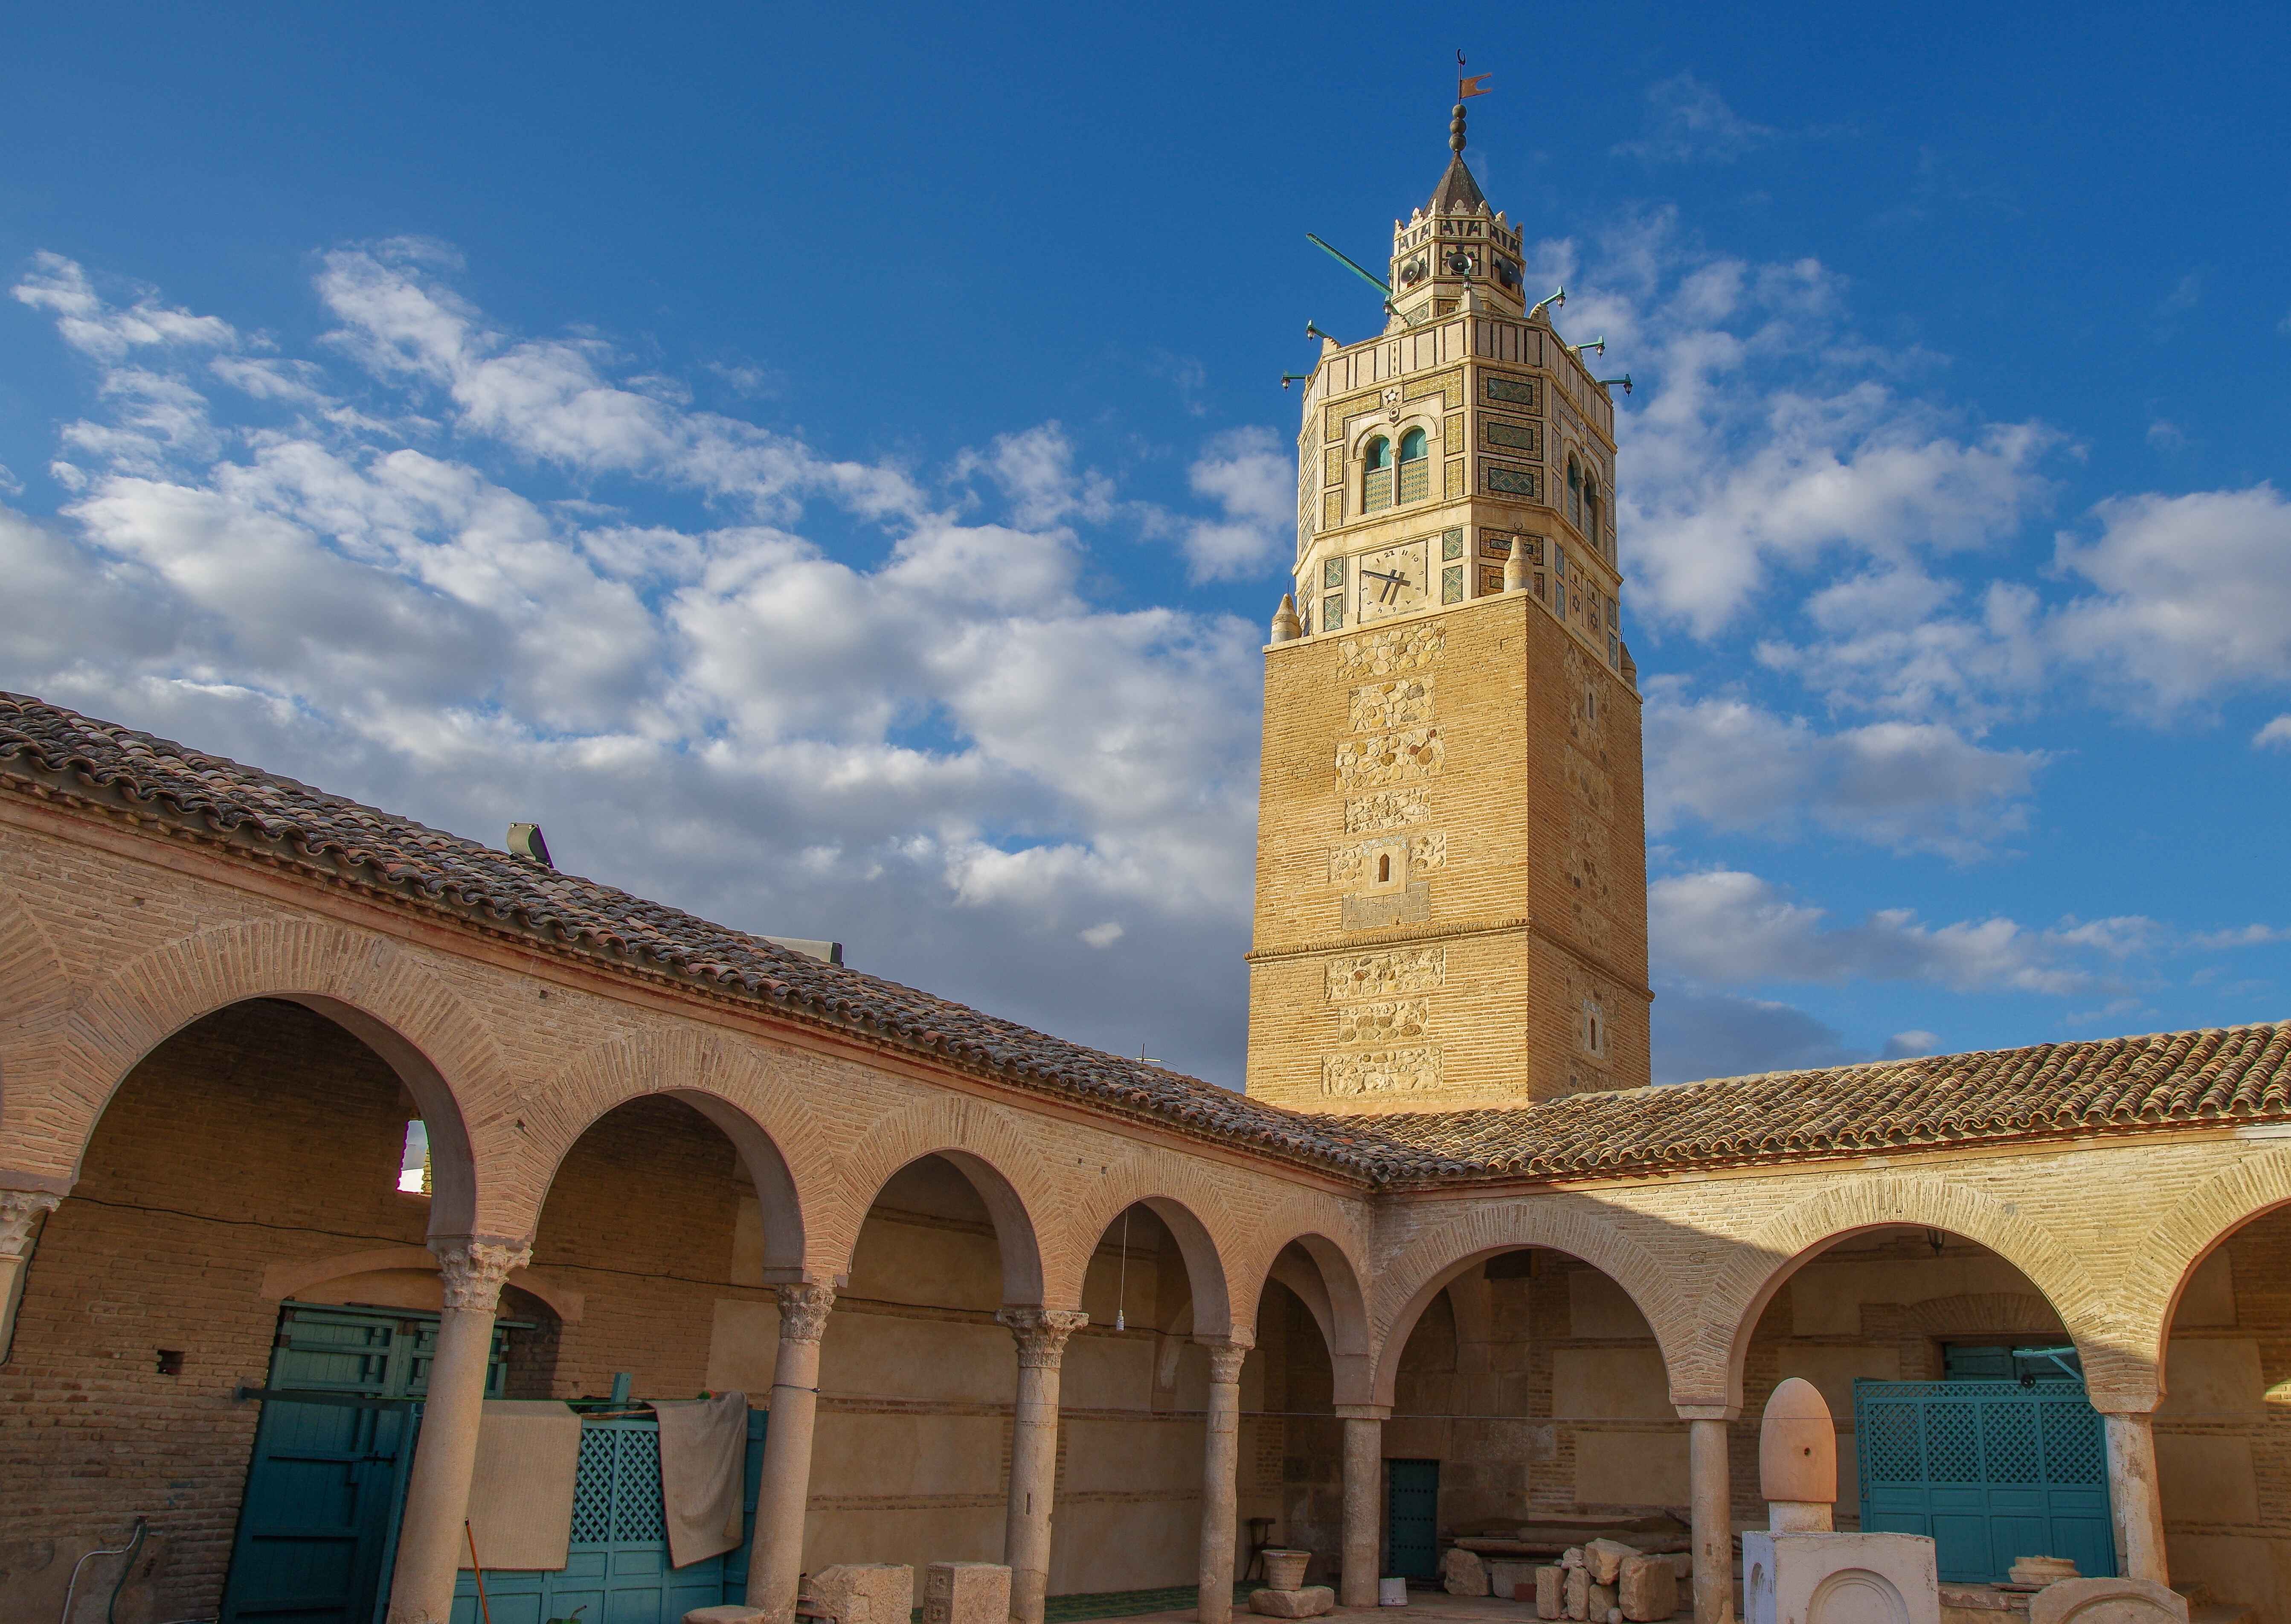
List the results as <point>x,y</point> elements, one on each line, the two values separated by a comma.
<point>704,1445</point>
<point>521,1492</point>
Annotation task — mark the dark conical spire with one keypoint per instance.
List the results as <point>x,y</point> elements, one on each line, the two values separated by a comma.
<point>1457,193</point>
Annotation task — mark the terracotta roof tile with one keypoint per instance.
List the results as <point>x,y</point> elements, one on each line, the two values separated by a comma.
<point>2235,1075</point>
<point>2221,1075</point>
<point>214,794</point>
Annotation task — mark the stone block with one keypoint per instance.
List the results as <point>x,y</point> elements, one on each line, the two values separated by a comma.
<point>1463,1574</point>
<point>1815,1577</point>
<point>1572,1557</point>
<point>1599,1602</point>
<point>1309,1603</point>
<point>1505,1578</point>
<point>735,1612</point>
<point>966,1593</point>
<point>1579,1593</point>
<point>2108,1601</point>
<point>1605,1558</point>
<point>1647,1587</point>
<point>1550,1591</point>
<point>866,1592</point>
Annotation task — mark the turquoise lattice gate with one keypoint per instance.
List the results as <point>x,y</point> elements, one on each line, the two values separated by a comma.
<point>1992,1470</point>
<point>617,1568</point>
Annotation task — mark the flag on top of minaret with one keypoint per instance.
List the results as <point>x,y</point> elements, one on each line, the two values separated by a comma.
<point>1476,86</point>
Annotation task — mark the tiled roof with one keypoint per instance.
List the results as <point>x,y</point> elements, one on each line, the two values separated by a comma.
<point>212,794</point>
<point>2220,1075</point>
<point>2237,1074</point>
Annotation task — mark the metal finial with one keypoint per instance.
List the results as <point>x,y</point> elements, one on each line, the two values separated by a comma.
<point>1456,132</point>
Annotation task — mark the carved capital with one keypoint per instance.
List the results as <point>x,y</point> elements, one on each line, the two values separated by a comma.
<point>473,1270</point>
<point>1226,1353</point>
<point>803,1312</point>
<point>20,1212</point>
<point>1042,1333</point>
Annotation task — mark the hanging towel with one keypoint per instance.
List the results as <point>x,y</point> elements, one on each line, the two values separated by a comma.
<point>521,1492</point>
<point>704,1442</point>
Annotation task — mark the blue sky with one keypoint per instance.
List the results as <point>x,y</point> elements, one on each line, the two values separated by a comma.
<point>828,467</point>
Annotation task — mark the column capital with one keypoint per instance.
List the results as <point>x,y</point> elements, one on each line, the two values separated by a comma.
<point>803,1311</point>
<point>20,1212</point>
<point>1226,1353</point>
<point>1365,1412</point>
<point>473,1268</point>
<point>1709,1413</point>
<point>1041,1332</point>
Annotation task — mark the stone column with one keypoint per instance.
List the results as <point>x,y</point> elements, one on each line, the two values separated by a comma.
<point>1041,1334</point>
<point>1220,1459</point>
<point>783,1494</point>
<point>1710,1495</point>
<point>430,1538</point>
<point>2132,1495</point>
<point>20,1212</point>
<point>1363,1496</point>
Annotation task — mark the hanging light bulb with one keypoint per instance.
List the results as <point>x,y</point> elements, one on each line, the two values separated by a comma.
<point>1121,1291</point>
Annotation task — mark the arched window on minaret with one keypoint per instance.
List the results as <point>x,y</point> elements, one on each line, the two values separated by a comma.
<point>1376,475</point>
<point>1574,491</point>
<point>1595,521</point>
<point>1415,467</point>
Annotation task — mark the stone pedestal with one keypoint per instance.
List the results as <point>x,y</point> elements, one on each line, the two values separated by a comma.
<point>1838,1579</point>
<point>865,1593</point>
<point>1309,1603</point>
<point>966,1593</point>
<point>776,1558</point>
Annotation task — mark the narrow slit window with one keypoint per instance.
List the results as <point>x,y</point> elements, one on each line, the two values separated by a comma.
<point>1384,869</point>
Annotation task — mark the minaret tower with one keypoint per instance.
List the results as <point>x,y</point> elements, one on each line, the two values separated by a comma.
<point>1451,843</point>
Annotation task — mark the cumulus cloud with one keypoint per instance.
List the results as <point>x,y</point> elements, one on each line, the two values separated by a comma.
<point>2192,599</point>
<point>1735,766</point>
<point>2275,735</point>
<point>381,568</point>
<point>1252,477</point>
<point>1726,928</point>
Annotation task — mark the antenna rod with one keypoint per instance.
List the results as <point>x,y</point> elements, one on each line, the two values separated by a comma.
<point>1380,285</point>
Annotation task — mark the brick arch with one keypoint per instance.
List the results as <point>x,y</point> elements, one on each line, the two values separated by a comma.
<point>1576,1224</point>
<point>736,1086</point>
<point>36,992</point>
<point>1336,1293</point>
<point>369,986</point>
<point>2147,1296</point>
<point>995,1150</point>
<point>1191,1206</point>
<point>1746,1282</point>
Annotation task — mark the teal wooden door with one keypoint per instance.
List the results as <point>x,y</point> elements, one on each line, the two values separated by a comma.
<point>616,1570</point>
<point>317,1524</point>
<point>1992,1470</point>
<point>1412,1518</point>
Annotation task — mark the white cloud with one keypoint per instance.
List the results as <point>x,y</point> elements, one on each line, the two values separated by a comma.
<point>1906,785</point>
<point>1253,477</point>
<point>1905,1045</point>
<point>2165,435</point>
<point>947,757</point>
<point>2275,735</point>
<point>1689,121</point>
<point>1725,927</point>
<point>2193,596</point>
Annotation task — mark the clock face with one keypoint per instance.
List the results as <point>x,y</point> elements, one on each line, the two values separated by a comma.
<point>1392,579</point>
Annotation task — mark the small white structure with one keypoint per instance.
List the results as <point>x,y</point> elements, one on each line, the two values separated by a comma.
<point>1801,1571</point>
